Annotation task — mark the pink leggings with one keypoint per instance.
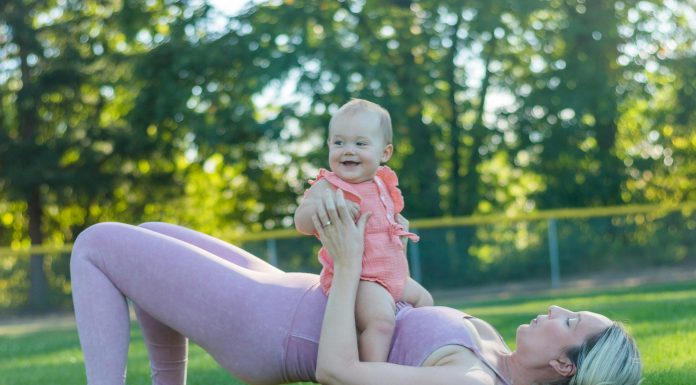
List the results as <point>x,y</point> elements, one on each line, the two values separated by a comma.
<point>260,323</point>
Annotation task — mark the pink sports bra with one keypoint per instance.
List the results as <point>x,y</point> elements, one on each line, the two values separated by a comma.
<point>421,331</point>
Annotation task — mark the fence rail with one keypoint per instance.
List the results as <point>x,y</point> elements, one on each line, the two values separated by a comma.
<point>431,223</point>
<point>455,251</point>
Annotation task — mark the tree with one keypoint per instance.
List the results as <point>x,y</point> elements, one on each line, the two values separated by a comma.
<point>65,139</point>
<point>657,140</point>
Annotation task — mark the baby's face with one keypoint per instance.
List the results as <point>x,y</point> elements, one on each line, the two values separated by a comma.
<point>357,147</point>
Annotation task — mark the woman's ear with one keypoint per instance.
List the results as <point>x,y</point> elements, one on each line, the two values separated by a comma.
<point>563,366</point>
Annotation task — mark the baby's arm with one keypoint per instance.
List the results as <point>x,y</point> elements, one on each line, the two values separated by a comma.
<point>400,219</point>
<point>416,295</point>
<point>308,206</point>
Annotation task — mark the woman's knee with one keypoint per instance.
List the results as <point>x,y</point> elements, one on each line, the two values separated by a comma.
<point>93,238</point>
<point>163,228</point>
<point>92,235</point>
<point>153,225</point>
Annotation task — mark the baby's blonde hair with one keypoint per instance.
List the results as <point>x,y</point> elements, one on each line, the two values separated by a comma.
<point>355,106</point>
<point>608,358</point>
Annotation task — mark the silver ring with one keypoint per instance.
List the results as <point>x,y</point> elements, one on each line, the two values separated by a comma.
<point>328,223</point>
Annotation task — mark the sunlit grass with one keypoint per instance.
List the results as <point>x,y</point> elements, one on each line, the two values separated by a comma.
<point>662,318</point>
<point>54,357</point>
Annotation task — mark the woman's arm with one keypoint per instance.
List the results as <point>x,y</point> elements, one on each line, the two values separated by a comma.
<point>344,240</point>
<point>338,361</point>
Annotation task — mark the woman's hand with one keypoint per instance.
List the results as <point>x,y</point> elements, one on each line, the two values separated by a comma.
<point>339,234</point>
<point>354,210</point>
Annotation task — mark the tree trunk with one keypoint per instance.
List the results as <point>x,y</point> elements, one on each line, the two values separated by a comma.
<point>38,294</point>
<point>27,105</point>
<point>455,126</point>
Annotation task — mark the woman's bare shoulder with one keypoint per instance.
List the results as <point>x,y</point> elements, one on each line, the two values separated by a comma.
<point>450,355</point>
<point>488,334</point>
<point>468,365</point>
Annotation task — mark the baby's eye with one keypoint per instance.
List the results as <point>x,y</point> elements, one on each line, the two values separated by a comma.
<point>337,142</point>
<point>362,143</point>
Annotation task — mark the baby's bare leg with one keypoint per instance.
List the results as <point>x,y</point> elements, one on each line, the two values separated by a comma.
<point>375,312</point>
<point>416,295</point>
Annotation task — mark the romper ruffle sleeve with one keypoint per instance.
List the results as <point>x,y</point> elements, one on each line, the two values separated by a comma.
<point>391,182</point>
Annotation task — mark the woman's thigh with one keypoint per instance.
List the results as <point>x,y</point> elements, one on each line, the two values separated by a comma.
<point>240,316</point>
<point>216,246</point>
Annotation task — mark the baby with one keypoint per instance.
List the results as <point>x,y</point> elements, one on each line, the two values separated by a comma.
<point>360,140</point>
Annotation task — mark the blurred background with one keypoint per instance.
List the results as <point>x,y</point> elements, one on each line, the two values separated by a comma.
<point>534,139</point>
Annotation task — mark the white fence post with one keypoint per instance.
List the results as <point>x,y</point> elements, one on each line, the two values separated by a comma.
<point>272,252</point>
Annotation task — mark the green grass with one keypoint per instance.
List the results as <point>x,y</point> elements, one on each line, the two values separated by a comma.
<point>661,317</point>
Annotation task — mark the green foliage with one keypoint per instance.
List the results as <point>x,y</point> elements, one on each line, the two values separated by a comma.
<point>161,110</point>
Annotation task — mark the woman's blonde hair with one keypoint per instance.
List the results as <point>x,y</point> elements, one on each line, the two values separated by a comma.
<point>360,105</point>
<point>608,358</point>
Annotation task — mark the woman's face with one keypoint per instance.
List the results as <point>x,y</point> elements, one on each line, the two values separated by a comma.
<point>549,335</point>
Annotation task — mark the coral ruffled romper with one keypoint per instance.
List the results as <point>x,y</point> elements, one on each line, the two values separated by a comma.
<point>384,260</point>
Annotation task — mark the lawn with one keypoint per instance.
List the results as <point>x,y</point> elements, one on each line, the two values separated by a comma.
<point>661,317</point>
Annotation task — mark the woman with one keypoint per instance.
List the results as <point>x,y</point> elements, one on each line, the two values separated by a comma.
<point>263,325</point>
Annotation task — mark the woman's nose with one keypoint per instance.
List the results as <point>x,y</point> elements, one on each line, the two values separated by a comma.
<point>553,309</point>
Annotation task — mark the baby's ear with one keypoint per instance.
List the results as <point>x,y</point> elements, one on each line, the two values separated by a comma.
<point>387,152</point>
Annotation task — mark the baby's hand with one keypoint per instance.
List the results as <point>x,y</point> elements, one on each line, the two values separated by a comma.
<point>354,210</point>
